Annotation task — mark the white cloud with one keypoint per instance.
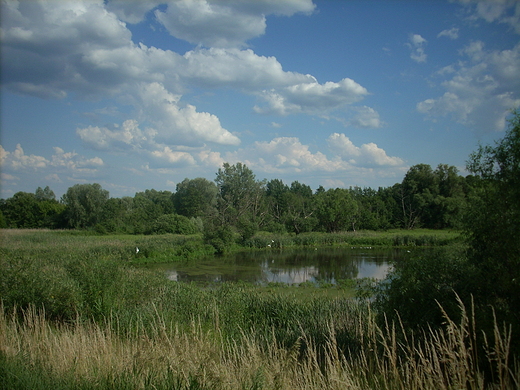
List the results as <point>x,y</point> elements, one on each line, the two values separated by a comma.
<point>18,160</point>
<point>8,177</point>
<point>452,33</point>
<point>180,125</point>
<point>366,118</point>
<point>367,155</point>
<point>502,11</point>
<point>53,49</point>
<point>228,23</point>
<point>311,98</point>
<point>74,162</point>
<point>132,11</point>
<point>482,90</point>
<point>287,155</point>
<point>127,136</point>
<point>242,69</point>
<point>416,44</point>
<point>166,157</point>
<point>53,178</point>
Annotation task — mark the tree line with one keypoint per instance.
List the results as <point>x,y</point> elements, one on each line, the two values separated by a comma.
<point>427,198</point>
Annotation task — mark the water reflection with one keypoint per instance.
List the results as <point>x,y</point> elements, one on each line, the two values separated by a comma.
<point>324,265</point>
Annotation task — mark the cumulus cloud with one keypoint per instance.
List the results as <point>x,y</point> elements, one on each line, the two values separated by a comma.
<point>18,160</point>
<point>67,162</point>
<point>484,87</point>
<point>166,157</point>
<point>311,97</point>
<point>181,125</point>
<point>241,69</point>
<point>367,155</point>
<point>229,23</point>
<point>416,44</point>
<point>127,136</point>
<point>82,49</point>
<point>503,11</point>
<point>452,33</point>
<point>365,118</point>
<point>288,155</point>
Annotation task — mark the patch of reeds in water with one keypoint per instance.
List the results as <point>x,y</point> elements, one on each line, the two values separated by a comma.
<point>38,354</point>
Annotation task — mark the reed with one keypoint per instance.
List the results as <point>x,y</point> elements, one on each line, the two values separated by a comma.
<point>89,355</point>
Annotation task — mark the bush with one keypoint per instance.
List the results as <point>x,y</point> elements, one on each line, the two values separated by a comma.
<point>220,237</point>
<point>173,223</point>
<point>416,287</point>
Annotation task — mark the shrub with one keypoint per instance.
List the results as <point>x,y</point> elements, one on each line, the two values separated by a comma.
<point>173,223</point>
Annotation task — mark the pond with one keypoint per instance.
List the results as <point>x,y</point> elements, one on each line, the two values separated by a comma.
<point>321,265</point>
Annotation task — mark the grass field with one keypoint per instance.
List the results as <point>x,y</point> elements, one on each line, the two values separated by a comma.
<point>77,314</point>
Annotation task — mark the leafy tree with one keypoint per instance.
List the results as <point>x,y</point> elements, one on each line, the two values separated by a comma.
<point>45,194</point>
<point>174,223</point>
<point>493,223</point>
<point>219,236</point>
<point>143,213</point>
<point>162,199</point>
<point>195,198</point>
<point>240,196</point>
<point>300,213</point>
<point>84,205</point>
<point>418,191</point>
<point>336,210</point>
<point>275,191</point>
<point>488,273</point>
<point>450,202</point>
<point>22,211</point>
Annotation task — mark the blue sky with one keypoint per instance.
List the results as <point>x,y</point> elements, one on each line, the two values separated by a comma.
<point>137,95</point>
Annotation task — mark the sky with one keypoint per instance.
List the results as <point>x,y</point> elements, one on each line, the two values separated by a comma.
<point>136,95</point>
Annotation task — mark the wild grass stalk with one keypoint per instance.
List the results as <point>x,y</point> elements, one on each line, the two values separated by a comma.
<point>94,355</point>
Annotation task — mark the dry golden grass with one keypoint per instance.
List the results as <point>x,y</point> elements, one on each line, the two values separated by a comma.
<point>169,358</point>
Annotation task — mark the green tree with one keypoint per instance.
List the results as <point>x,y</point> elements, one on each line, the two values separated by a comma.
<point>161,199</point>
<point>45,194</point>
<point>300,215</point>
<point>373,213</point>
<point>488,273</point>
<point>195,198</point>
<point>418,191</point>
<point>450,203</point>
<point>22,211</point>
<point>336,210</point>
<point>84,205</point>
<point>240,196</point>
<point>275,191</point>
<point>493,222</point>
<point>174,223</point>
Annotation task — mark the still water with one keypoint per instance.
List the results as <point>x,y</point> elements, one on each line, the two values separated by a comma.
<point>321,265</point>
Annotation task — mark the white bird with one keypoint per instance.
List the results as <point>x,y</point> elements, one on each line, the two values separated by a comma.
<point>136,250</point>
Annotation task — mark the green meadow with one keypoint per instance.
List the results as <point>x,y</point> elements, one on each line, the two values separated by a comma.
<point>79,312</point>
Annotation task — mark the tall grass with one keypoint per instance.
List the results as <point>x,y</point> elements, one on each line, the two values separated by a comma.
<point>38,354</point>
<point>395,238</point>
<point>76,315</point>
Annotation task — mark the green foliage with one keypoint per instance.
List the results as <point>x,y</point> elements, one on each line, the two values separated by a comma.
<point>493,222</point>
<point>220,237</point>
<point>84,204</point>
<point>413,288</point>
<point>195,198</point>
<point>336,210</point>
<point>173,223</point>
<point>488,272</point>
<point>240,195</point>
